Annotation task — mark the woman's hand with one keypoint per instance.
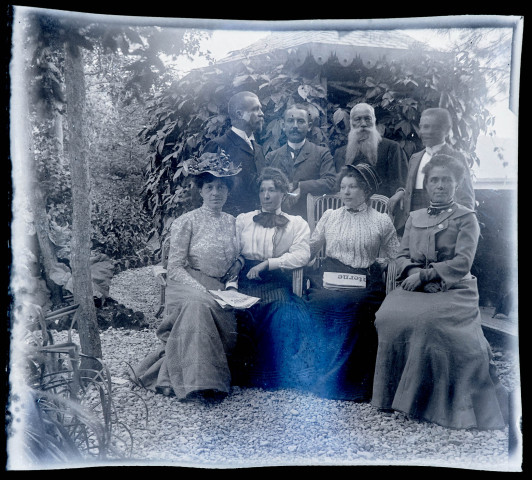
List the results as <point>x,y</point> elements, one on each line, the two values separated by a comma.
<point>412,282</point>
<point>232,273</point>
<point>432,287</point>
<point>254,273</point>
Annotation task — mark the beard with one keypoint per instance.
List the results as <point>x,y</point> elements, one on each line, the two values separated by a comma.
<point>357,144</point>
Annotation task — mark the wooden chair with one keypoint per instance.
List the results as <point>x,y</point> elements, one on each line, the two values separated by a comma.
<point>316,205</point>
<point>160,271</point>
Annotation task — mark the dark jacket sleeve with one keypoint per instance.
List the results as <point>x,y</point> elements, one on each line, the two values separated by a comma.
<point>454,269</point>
<point>465,193</point>
<point>396,168</point>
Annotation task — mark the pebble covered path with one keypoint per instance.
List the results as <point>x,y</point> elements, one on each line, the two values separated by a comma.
<point>254,427</point>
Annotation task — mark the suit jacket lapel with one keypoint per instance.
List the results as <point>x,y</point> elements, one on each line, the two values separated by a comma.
<point>415,160</point>
<point>303,153</point>
<point>239,142</point>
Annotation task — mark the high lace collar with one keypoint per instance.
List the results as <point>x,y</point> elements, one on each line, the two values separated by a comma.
<point>211,211</point>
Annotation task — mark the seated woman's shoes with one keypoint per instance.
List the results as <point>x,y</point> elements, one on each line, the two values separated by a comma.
<point>209,397</point>
<point>166,391</point>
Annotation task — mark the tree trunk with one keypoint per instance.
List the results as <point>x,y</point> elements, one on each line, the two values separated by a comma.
<point>47,253</point>
<point>81,219</point>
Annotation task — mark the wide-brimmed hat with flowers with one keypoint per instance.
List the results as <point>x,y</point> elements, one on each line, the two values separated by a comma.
<point>218,164</point>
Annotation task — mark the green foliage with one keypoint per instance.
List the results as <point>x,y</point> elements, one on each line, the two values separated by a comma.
<point>119,227</point>
<point>194,110</point>
<point>184,117</point>
<point>122,64</point>
<point>102,271</point>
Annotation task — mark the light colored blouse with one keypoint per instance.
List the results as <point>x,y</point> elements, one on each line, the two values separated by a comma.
<point>284,247</point>
<point>355,239</point>
<point>203,240</point>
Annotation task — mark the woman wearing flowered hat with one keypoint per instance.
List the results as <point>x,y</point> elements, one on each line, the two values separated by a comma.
<point>354,236</point>
<point>196,333</point>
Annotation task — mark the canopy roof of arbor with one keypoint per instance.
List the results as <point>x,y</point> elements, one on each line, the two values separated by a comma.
<point>322,46</point>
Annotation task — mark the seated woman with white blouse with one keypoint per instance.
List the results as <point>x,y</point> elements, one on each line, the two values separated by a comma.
<point>354,236</point>
<point>273,244</point>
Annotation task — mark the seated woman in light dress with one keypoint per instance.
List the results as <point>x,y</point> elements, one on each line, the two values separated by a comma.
<point>277,334</point>
<point>196,334</point>
<point>355,236</point>
<point>433,361</point>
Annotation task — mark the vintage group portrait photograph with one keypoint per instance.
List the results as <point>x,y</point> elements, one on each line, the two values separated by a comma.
<point>263,243</point>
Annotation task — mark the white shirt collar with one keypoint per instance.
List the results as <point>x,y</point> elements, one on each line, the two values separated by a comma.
<point>243,134</point>
<point>436,148</point>
<point>296,146</point>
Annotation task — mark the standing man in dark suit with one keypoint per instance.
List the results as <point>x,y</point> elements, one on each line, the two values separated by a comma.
<point>247,118</point>
<point>434,126</point>
<point>366,145</point>
<point>309,167</point>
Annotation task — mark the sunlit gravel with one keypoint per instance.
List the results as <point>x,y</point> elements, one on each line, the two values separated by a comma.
<point>254,427</point>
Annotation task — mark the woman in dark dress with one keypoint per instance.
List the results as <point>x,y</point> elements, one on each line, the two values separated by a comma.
<point>433,361</point>
<point>277,330</point>
<point>355,236</point>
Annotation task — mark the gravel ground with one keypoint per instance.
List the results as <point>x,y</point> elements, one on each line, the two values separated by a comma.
<point>254,427</point>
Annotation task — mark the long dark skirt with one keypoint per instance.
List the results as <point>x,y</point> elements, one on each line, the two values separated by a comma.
<point>347,340</point>
<point>275,347</point>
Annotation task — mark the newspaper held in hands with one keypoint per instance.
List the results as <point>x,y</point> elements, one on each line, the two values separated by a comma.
<point>232,298</point>
<point>339,281</point>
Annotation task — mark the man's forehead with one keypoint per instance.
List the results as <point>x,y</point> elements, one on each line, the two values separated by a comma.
<point>362,109</point>
<point>296,113</point>
<point>440,172</point>
<point>431,118</point>
<point>250,101</point>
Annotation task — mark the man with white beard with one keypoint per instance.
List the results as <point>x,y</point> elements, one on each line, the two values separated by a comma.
<point>365,144</point>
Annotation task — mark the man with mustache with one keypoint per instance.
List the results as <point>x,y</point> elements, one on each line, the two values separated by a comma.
<point>247,119</point>
<point>366,145</point>
<point>435,125</point>
<point>309,167</point>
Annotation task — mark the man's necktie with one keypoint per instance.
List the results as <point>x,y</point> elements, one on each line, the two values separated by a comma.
<point>293,153</point>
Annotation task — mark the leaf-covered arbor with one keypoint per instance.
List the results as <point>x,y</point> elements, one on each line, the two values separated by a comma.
<point>184,117</point>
